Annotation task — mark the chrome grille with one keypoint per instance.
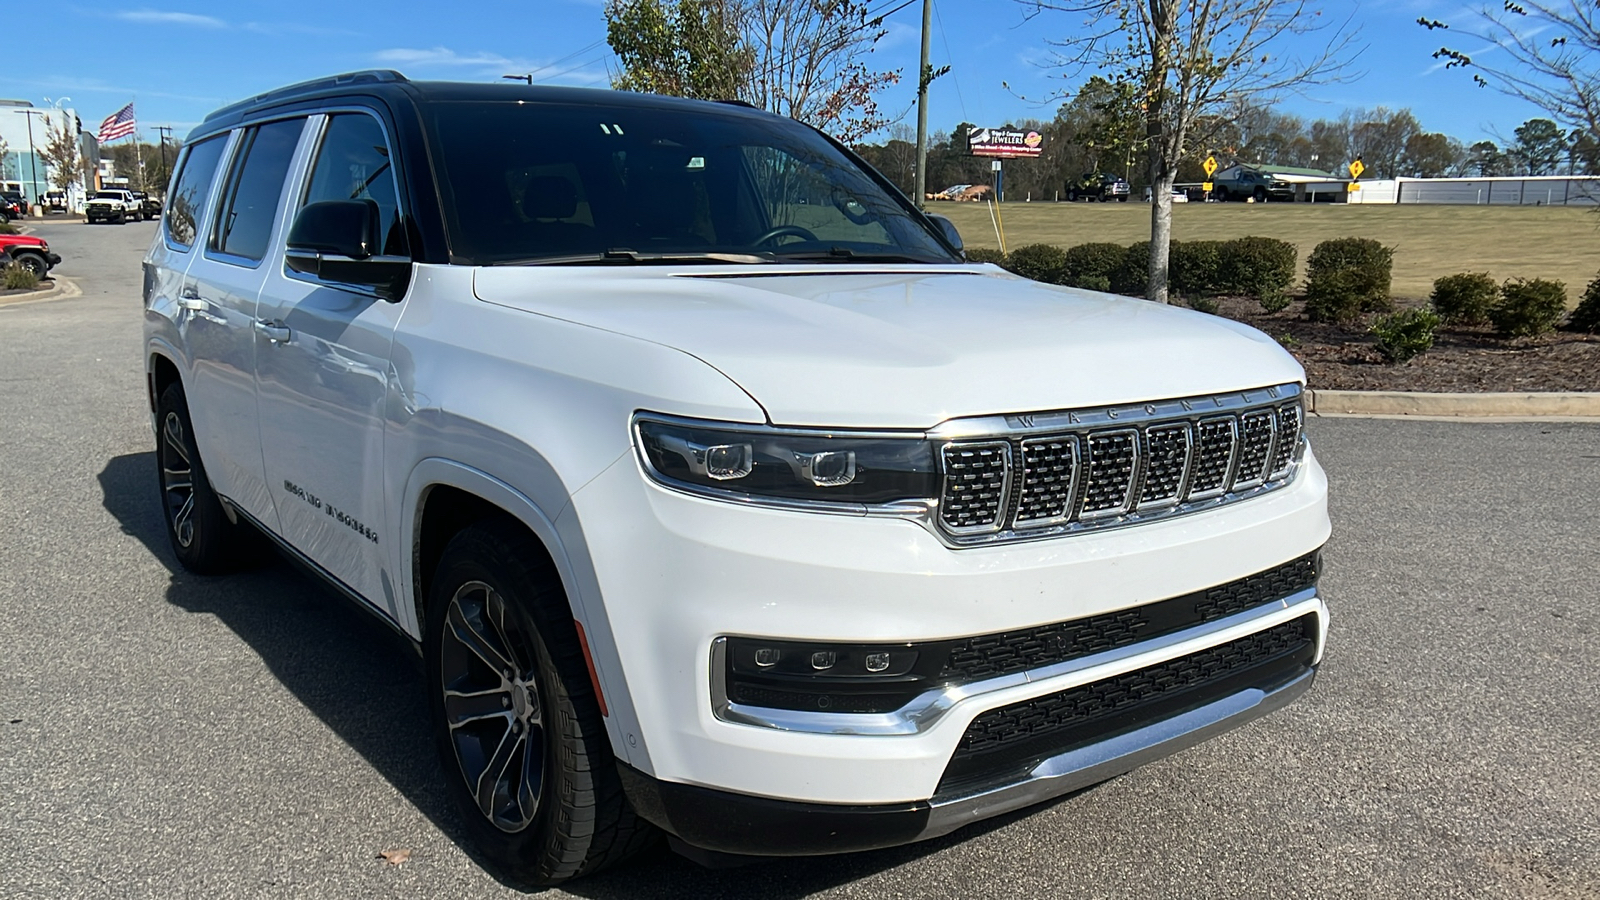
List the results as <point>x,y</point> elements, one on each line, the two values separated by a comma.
<point>1216,441</point>
<point>977,478</point>
<point>1166,463</point>
<point>1255,448</point>
<point>1047,474</point>
<point>1289,420</point>
<point>1113,461</point>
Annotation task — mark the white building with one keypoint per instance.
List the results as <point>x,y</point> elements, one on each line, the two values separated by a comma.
<point>25,130</point>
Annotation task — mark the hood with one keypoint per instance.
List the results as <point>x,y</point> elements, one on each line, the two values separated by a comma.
<point>904,347</point>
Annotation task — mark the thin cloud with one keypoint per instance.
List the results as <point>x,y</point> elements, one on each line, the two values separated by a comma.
<point>483,64</point>
<point>169,17</point>
<point>441,56</point>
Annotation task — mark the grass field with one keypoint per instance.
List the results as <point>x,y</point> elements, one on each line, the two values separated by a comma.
<point>1561,243</point>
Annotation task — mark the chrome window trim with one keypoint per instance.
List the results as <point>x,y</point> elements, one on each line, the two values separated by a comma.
<point>924,511</point>
<point>931,707</point>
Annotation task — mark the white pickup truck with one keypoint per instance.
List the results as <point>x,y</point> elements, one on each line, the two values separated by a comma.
<point>114,206</point>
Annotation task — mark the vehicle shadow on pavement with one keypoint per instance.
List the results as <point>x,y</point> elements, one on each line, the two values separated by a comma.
<point>365,683</point>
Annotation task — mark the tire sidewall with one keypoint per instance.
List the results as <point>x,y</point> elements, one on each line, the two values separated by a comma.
<point>463,561</point>
<point>213,549</point>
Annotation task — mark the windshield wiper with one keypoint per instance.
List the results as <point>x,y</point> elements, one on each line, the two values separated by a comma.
<point>845,254</point>
<point>625,256</point>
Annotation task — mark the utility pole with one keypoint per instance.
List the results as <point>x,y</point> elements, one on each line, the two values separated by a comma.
<point>33,157</point>
<point>924,75</point>
<point>165,131</point>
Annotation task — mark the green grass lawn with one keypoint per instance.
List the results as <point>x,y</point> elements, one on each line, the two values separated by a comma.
<point>1561,243</point>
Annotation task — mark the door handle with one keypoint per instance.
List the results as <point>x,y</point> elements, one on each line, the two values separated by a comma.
<point>189,298</point>
<point>276,332</point>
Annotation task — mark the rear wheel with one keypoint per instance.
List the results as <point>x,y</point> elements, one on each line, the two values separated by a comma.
<point>515,718</point>
<point>202,537</point>
<point>1261,195</point>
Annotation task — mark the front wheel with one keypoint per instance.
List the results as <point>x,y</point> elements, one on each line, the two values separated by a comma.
<point>33,262</point>
<point>515,716</point>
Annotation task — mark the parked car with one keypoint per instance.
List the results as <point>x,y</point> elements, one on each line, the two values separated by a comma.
<point>149,205</point>
<point>1098,186</point>
<point>29,252</point>
<point>55,201</point>
<point>1241,183</point>
<point>113,205</point>
<point>774,526</point>
<point>12,206</point>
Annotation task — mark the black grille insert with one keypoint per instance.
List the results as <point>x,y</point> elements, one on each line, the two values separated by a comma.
<point>1003,744</point>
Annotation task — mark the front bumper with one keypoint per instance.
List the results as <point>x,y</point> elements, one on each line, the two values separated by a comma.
<point>726,822</point>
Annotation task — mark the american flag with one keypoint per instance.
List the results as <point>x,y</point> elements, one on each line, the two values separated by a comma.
<point>119,124</point>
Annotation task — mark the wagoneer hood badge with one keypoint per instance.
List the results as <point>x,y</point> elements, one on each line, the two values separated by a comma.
<point>907,347</point>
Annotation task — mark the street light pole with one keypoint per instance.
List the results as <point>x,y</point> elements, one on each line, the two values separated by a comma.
<point>33,156</point>
<point>527,76</point>
<point>165,131</point>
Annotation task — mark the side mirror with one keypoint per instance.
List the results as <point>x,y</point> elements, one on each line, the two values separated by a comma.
<point>948,229</point>
<point>337,242</point>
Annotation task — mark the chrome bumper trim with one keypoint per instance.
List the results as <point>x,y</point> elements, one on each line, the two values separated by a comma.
<point>1115,756</point>
<point>927,710</point>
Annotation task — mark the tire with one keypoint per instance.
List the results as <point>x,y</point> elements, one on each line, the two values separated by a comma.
<point>33,262</point>
<point>1261,195</point>
<point>497,607</point>
<point>202,538</point>
<point>1123,198</point>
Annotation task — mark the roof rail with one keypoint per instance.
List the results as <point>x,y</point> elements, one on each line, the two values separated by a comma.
<point>368,76</point>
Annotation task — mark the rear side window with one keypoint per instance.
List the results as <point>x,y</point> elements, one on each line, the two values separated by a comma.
<point>190,190</point>
<point>255,185</point>
<point>353,164</point>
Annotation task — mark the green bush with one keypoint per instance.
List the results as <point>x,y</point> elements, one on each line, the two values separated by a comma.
<point>1040,262</point>
<point>1195,268</point>
<point>8,228</point>
<point>16,276</point>
<point>1089,266</point>
<point>1464,298</point>
<point>1529,306</point>
<point>1346,277</point>
<point>986,255</point>
<point>1587,316</point>
<point>1132,274</point>
<point>1405,334</point>
<point>1261,268</point>
<point>1203,304</point>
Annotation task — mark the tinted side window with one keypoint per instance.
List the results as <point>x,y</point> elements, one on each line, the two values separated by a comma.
<point>190,190</point>
<point>244,224</point>
<point>353,164</point>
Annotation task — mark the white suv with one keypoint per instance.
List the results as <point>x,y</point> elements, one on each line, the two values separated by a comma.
<point>721,495</point>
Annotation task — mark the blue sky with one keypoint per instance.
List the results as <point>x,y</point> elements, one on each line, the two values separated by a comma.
<point>179,60</point>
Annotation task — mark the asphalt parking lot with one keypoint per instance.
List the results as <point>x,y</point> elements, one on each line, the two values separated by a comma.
<point>164,735</point>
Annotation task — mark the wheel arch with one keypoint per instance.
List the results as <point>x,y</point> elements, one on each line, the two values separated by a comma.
<point>443,496</point>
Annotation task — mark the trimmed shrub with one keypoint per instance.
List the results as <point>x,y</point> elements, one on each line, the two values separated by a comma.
<point>1040,262</point>
<point>1405,334</point>
<point>986,255</point>
<point>1587,316</point>
<point>8,228</point>
<point>1203,304</point>
<point>1132,274</point>
<point>1464,299</point>
<point>1346,277</point>
<point>16,276</point>
<point>1261,268</point>
<point>1529,306</point>
<point>1195,267</point>
<point>1089,266</point>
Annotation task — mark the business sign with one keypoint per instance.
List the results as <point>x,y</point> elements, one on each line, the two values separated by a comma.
<point>1005,143</point>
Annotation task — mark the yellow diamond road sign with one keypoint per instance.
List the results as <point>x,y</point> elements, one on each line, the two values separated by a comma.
<point>1356,168</point>
<point>1210,165</point>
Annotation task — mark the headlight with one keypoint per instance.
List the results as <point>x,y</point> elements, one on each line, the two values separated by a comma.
<point>816,467</point>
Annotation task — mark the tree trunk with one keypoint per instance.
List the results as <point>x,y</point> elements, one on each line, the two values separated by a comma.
<point>1160,232</point>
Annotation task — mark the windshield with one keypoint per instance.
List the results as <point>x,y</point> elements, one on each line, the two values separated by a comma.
<point>533,182</point>
<point>108,195</point>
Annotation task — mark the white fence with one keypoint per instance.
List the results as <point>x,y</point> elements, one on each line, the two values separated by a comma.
<point>1543,190</point>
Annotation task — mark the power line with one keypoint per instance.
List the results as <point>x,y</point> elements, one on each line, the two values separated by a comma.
<point>950,60</point>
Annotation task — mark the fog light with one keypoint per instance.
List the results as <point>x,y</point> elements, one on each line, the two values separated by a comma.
<point>766,657</point>
<point>877,662</point>
<point>823,659</point>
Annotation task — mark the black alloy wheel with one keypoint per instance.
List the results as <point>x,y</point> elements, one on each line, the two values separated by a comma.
<point>515,717</point>
<point>33,262</point>
<point>202,537</point>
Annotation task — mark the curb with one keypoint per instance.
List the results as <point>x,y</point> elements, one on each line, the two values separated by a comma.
<point>1573,405</point>
<point>62,288</point>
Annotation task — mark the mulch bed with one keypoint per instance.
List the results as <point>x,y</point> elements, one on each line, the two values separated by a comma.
<point>1345,357</point>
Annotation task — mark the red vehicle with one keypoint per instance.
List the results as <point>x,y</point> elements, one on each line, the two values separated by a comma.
<point>28,252</point>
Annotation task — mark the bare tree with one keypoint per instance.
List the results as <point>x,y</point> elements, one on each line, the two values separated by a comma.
<point>1191,59</point>
<point>1550,56</point>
